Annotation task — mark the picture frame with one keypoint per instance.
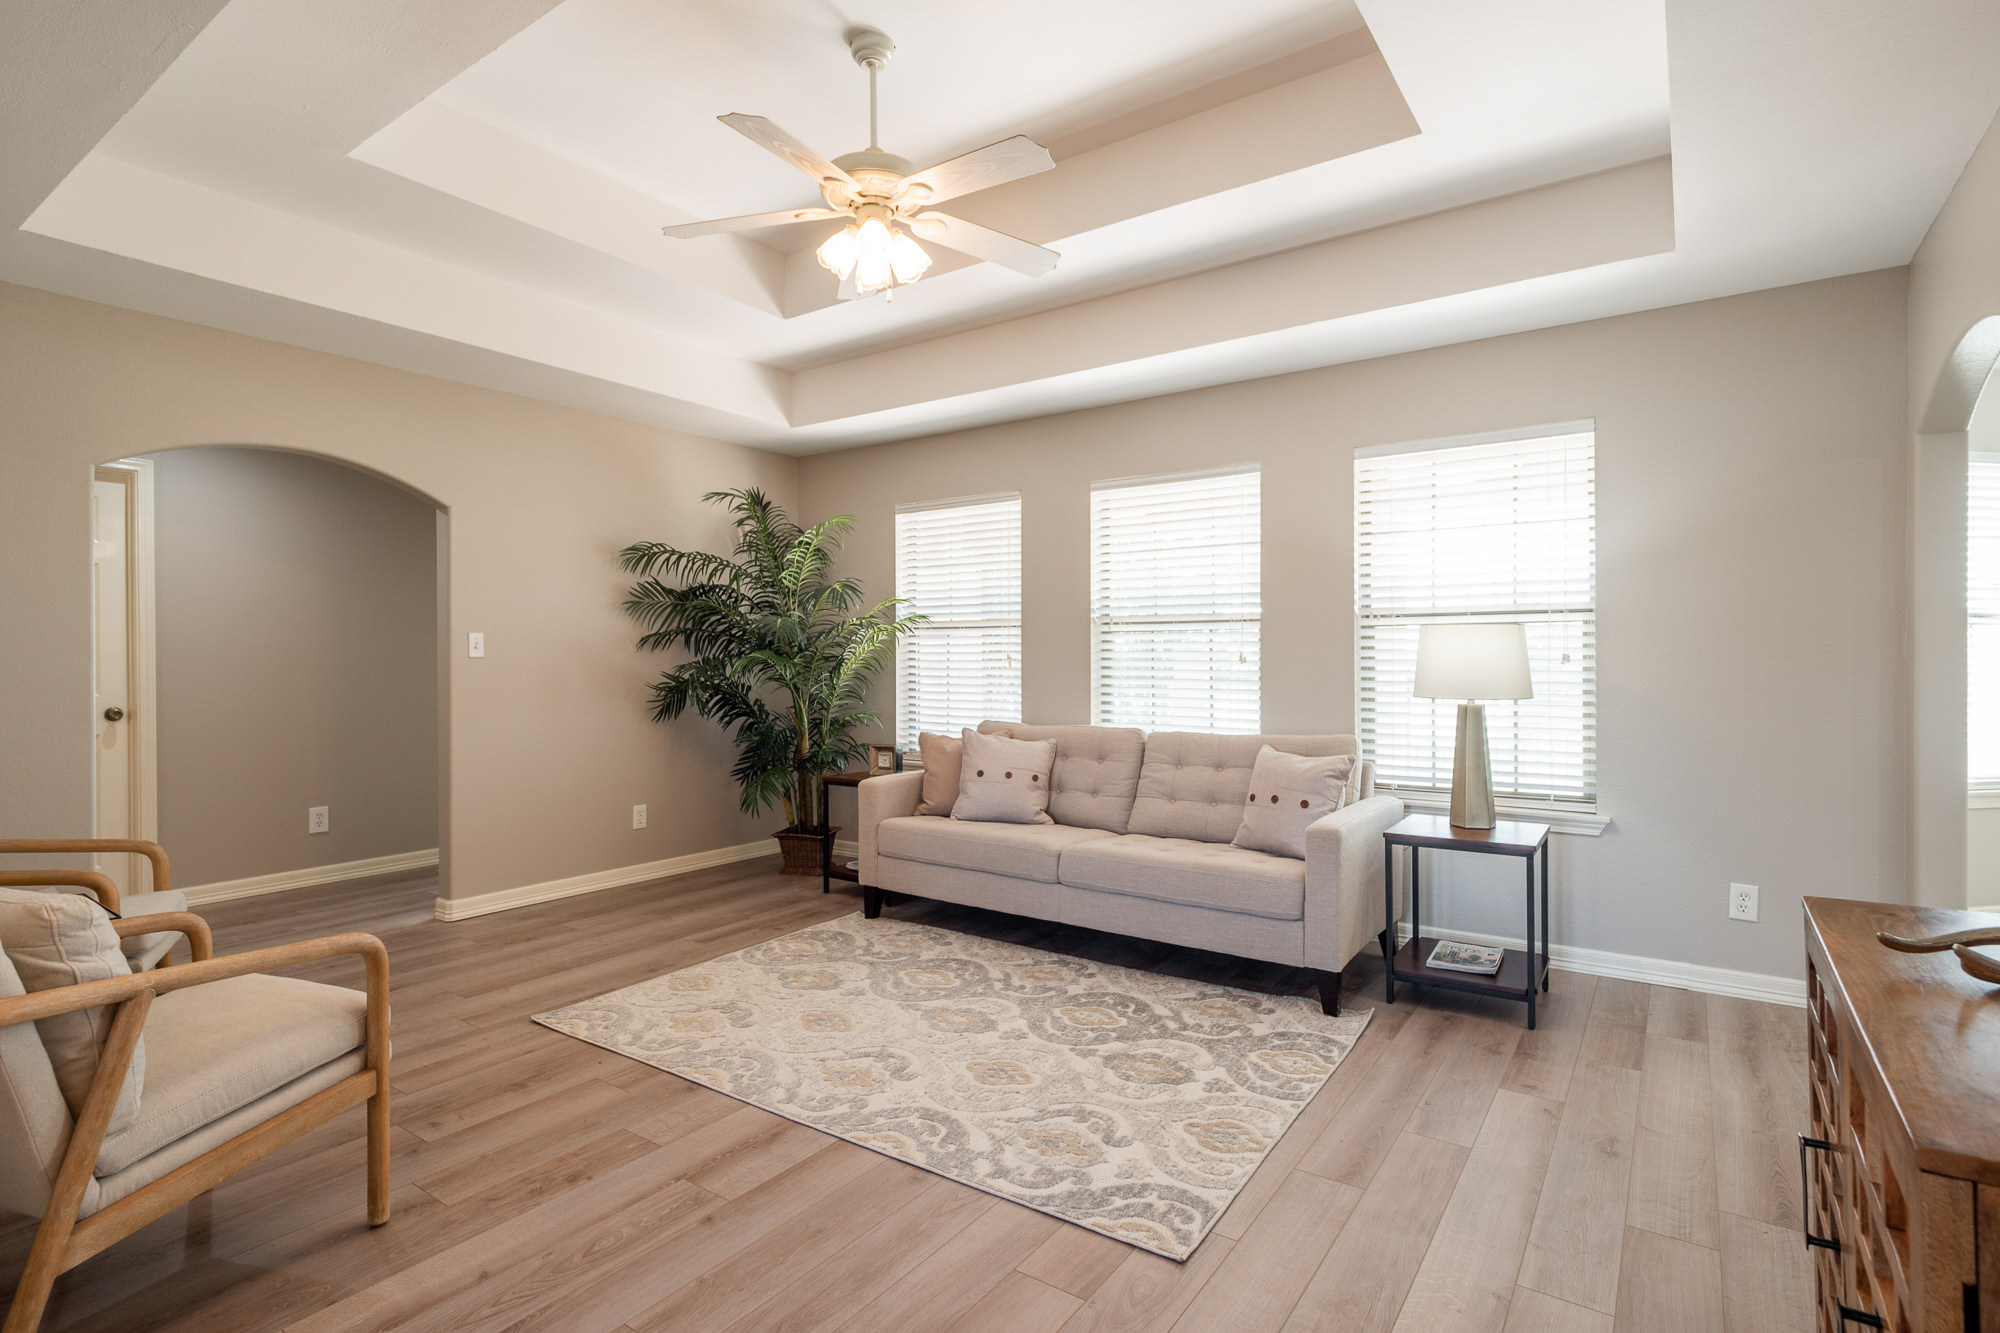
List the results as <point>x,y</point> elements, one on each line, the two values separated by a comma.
<point>884,759</point>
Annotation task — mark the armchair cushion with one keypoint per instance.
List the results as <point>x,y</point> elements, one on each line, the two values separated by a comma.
<point>144,951</point>
<point>224,1045</point>
<point>34,1123</point>
<point>66,939</point>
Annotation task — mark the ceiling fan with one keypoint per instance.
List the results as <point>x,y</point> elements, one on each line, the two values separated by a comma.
<point>888,201</point>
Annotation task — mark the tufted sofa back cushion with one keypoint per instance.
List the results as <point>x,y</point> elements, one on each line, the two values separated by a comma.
<point>1193,783</point>
<point>1096,772</point>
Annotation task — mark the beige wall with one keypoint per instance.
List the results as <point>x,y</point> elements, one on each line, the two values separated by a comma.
<point>550,746</point>
<point>1750,606</point>
<point>298,652</point>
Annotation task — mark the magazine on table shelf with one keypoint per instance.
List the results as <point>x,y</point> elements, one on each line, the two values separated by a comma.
<point>1456,957</point>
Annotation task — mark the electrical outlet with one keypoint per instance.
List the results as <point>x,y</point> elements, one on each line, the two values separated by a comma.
<point>1743,902</point>
<point>638,816</point>
<point>475,644</point>
<point>316,820</point>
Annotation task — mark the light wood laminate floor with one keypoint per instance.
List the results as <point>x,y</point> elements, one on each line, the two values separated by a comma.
<point>1630,1165</point>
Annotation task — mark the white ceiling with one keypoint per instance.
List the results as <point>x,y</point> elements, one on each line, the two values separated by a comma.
<point>475,189</point>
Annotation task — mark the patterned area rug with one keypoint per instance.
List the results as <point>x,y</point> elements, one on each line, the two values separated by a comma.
<point>1133,1104</point>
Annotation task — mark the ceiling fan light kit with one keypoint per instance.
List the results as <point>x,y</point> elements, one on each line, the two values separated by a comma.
<point>887,200</point>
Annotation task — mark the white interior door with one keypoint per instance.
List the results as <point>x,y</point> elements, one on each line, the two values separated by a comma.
<point>111,702</point>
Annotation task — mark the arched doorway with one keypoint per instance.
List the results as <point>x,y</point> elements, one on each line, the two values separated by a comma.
<point>298,705</point>
<point>1948,841</point>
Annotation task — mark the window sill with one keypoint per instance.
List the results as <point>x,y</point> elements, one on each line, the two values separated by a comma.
<point>1982,800</point>
<point>1574,822</point>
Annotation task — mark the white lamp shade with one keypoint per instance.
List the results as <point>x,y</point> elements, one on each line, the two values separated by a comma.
<point>1472,662</point>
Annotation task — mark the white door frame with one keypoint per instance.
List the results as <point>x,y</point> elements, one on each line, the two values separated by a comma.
<point>143,740</point>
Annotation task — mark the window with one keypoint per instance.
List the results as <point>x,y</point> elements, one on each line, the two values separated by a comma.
<point>1174,602</point>
<point>1504,529</point>
<point>959,562</point>
<point>1982,622</point>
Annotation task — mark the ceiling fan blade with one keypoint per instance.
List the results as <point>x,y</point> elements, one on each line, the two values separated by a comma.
<point>982,168</point>
<point>772,139</point>
<point>984,243</point>
<point>784,217</point>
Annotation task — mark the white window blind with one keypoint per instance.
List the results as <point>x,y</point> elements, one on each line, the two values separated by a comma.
<point>1175,602</point>
<point>1982,622</point>
<point>960,564</point>
<point>1504,530</point>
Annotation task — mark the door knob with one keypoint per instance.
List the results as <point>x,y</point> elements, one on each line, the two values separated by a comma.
<point>114,714</point>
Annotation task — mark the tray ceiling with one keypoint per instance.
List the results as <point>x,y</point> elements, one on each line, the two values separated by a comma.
<point>476,190</point>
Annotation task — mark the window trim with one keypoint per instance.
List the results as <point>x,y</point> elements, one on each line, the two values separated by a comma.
<point>1097,623</point>
<point>1579,816</point>
<point>1980,793</point>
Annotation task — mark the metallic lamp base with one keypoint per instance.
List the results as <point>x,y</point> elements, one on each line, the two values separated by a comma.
<point>1471,772</point>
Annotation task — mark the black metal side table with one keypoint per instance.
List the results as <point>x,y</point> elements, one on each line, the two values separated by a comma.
<point>1523,973</point>
<point>828,871</point>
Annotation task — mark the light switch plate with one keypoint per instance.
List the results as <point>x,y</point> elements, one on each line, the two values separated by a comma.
<point>475,644</point>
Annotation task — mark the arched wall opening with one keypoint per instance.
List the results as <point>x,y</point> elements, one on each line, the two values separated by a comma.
<point>297,605</point>
<point>1960,403</point>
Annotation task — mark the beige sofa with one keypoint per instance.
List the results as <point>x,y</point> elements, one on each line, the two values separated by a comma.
<point>1140,846</point>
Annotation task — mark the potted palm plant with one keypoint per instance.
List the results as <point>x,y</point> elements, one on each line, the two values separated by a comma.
<point>779,649</point>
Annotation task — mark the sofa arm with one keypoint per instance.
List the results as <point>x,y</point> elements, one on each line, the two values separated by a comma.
<point>890,796</point>
<point>1344,859</point>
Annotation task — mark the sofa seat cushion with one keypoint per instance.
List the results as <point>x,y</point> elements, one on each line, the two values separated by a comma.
<point>1186,870</point>
<point>222,1045</point>
<point>1025,851</point>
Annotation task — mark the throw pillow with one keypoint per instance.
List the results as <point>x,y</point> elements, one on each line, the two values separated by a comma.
<point>65,939</point>
<point>1287,793</point>
<point>1003,781</point>
<point>942,756</point>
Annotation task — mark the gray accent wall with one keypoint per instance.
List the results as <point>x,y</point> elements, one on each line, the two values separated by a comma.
<point>1751,589</point>
<point>297,627</point>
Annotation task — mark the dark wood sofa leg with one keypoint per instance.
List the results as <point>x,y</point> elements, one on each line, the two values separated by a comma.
<point>1329,992</point>
<point>871,902</point>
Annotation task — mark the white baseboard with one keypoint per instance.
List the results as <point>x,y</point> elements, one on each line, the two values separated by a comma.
<point>458,909</point>
<point>1652,971</point>
<point>257,885</point>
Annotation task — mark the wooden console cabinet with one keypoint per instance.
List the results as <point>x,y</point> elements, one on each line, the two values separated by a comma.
<point>1902,1160</point>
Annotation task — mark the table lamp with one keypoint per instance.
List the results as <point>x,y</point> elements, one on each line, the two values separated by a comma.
<point>1472,663</point>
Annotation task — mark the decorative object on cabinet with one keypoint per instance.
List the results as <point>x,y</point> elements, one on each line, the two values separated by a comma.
<point>1962,943</point>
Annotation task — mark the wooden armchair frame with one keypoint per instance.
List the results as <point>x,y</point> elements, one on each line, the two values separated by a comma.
<point>102,885</point>
<point>64,1240</point>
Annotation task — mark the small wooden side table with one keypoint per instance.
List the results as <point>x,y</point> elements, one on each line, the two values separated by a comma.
<point>828,871</point>
<point>1523,974</point>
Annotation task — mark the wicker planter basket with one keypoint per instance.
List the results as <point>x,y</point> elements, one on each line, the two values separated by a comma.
<point>803,849</point>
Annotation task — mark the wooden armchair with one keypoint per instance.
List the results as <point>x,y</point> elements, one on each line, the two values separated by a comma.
<point>279,1056</point>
